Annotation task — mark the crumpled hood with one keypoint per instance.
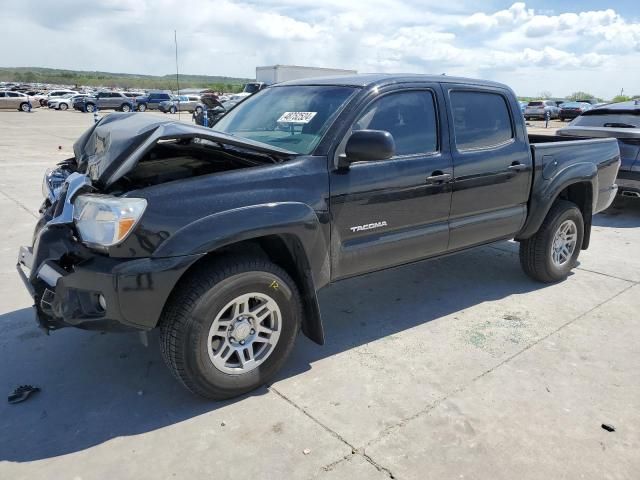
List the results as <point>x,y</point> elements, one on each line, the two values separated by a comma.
<point>113,146</point>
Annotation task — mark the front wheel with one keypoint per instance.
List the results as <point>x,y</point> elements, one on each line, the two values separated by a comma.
<point>125,107</point>
<point>142,107</point>
<point>230,326</point>
<point>173,110</point>
<point>550,254</point>
<point>90,107</point>
<point>24,107</point>
<point>63,106</point>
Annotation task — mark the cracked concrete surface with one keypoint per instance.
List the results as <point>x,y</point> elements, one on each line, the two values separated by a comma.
<point>459,367</point>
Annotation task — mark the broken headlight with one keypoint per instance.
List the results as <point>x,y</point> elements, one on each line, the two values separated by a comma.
<point>105,220</point>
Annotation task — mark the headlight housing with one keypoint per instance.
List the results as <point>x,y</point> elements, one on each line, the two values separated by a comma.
<point>105,220</point>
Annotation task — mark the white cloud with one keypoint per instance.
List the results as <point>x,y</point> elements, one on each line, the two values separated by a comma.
<point>232,37</point>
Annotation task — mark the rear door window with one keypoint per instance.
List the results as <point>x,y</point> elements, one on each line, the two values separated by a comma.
<point>480,119</point>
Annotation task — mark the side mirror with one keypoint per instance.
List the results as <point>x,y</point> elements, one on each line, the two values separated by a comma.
<point>367,145</point>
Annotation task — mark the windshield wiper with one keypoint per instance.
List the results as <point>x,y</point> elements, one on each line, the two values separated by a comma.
<point>619,125</point>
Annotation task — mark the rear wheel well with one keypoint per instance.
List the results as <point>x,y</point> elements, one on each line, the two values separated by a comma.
<point>581,194</point>
<point>287,252</point>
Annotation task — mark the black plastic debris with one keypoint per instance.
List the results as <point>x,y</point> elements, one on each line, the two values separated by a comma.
<point>608,428</point>
<point>21,393</point>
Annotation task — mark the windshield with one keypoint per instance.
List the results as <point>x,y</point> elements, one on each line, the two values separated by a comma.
<point>293,118</point>
<point>603,117</point>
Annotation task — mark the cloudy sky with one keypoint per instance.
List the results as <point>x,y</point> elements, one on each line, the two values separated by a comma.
<point>536,46</point>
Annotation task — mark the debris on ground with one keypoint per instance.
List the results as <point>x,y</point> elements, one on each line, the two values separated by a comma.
<point>608,427</point>
<point>21,393</point>
<point>306,451</point>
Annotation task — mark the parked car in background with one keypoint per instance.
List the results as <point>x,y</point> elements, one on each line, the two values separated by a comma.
<point>133,94</point>
<point>216,113</point>
<point>570,110</point>
<point>540,109</point>
<point>37,96</point>
<point>523,106</point>
<point>181,103</point>
<point>151,101</point>
<point>620,121</point>
<point>15,100</point>
<point>65,102</point>
<point>56,93</point>
<point>108,101</point>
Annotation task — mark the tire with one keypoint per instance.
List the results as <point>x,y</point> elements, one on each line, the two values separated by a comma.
<point>537,252</point>
<point>209,293</point>
<point>125,107</point>
<point>173,110</point>
<point>142,107</point>
<point>63,106</point>
<point>90,107</point>
<point>24,107</point>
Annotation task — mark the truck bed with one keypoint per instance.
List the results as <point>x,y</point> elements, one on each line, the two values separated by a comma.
<point>595,159</point>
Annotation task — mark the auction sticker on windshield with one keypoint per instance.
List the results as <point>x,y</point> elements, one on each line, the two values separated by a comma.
<point>296,117</point>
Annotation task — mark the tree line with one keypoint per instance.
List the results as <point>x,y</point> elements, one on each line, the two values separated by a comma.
<point>123,81</point>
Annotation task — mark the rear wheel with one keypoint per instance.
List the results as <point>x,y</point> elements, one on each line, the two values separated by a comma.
<point>125,107</point>
<point>230,326</point>
<point>24,107</point>
<point>142,107</point>
<point>550,254</point>
<point>63,106</point>
<point>90,107</point>
<point>173,109</point>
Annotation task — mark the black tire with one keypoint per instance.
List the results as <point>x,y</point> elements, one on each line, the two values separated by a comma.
<point>536,251</point>
<point>24,107</point>
<point>125,107</point>
<point>90,107</point>
<point>142,107</point>
<point>192,308</point>
<point>173,110</point>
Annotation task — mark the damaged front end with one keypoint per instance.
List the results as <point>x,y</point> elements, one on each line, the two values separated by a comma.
<point>56,250</point>
<point>86,267</point>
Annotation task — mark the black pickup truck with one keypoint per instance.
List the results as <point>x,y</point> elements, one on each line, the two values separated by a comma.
<point>222,237</point>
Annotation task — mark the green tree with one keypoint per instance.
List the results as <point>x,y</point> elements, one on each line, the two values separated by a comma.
<point>545,94</point>
<point>621,98</point>
<point>580,96</point>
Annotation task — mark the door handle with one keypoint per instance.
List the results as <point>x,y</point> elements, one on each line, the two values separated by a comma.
<point>438,177</point>
<point>518,167</point>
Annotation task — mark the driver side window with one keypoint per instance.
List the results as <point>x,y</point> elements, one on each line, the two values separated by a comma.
<point>409,116</point>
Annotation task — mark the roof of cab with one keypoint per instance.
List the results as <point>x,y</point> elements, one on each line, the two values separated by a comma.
<point>372,79</point>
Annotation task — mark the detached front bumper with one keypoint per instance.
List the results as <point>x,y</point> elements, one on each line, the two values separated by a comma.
<point>73,286</point>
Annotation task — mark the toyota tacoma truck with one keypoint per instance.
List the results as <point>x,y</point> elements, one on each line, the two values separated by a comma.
<point>220,238</point>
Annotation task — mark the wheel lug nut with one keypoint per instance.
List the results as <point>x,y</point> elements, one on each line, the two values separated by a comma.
<point>252,331</point>
<point>241,342</point>
<point>232,339</point>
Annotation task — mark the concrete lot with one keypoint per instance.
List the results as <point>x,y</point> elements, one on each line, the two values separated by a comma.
<point>460,367</point>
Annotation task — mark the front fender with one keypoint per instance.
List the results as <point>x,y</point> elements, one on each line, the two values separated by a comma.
<point>545,192</point>
<point>225,228</point>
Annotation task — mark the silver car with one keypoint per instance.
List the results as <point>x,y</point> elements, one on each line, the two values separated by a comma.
<point>540,109</point>
<point>15,100</point>
<point>181,103</point>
